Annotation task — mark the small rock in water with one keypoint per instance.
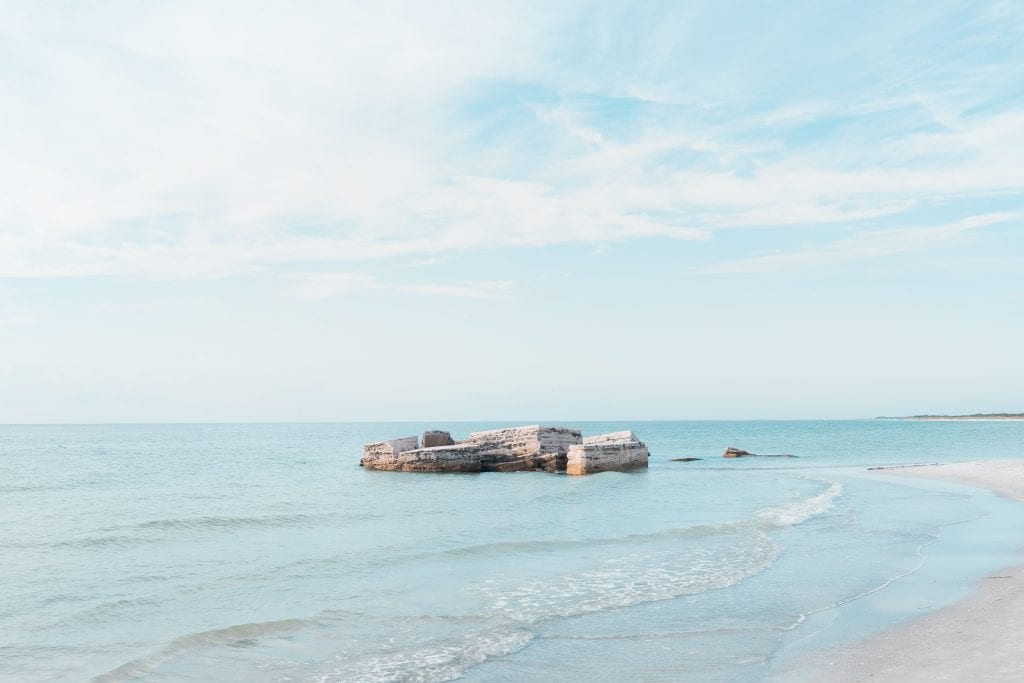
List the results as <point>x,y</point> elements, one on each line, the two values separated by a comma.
<point>684,459</point>
<point>731,452</point>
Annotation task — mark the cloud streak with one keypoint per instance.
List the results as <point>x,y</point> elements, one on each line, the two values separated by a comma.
<point>170,141</point>
<point>318,286</point>
<point>867,245</point>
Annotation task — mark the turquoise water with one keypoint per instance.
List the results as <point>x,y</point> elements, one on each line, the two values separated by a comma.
<point>262,552</point>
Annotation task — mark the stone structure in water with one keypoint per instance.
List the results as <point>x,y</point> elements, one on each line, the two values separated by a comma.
<point>435,438</point>
<point>609,452</point>
<point>513,449</point>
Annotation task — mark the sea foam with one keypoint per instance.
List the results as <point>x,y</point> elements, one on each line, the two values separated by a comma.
<point>802,510</point>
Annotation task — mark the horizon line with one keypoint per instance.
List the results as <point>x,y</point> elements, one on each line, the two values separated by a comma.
<point>527,421</point>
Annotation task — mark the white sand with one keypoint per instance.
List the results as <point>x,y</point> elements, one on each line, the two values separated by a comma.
<point>978,639</point>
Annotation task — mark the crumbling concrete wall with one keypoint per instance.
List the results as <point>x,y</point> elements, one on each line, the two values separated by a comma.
<point>437,438</point>
<point>456,458</point>
<point>386,450</point>
<point>525,448</point>
<point>616,452</point>
<point>612,437</point>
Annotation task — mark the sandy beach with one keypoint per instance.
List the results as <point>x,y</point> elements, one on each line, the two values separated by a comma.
<point>977,639</point>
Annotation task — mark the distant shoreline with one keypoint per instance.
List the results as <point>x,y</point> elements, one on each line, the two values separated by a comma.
<point>976,417</point>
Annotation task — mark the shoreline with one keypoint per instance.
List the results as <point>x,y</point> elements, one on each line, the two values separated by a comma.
<point>953,418</point>
<point>977,638</point>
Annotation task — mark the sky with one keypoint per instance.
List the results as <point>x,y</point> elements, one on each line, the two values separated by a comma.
<point>323,211</point>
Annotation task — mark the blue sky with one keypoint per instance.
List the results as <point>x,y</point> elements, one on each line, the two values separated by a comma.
<point>318,211</point>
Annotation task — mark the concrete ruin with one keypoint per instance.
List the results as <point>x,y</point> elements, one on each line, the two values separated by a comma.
<point>513,449</point>
<point>619,451</point>
<point>612,437</point>
<point>525,448</point>
<point>382,453</point>
<point>457,458</point>
<point>435,438</point>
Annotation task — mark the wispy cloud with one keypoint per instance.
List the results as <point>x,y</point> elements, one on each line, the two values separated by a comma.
<point>176,141</point>
<point>872,244</point>
<point>334,285</point>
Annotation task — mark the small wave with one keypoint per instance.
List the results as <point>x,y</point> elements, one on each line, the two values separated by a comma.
<point>803,510</point>
<point>634,580</point>
<point>214,522</point>
<point>105,611</point>
<point>114,537</point>
<point>655,635</point>
<point>433,664</point>
<point>237,635</point>
<point>561,544</point>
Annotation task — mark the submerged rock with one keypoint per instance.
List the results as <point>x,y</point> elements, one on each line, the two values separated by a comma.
<point>684,459</point>
<point>740,453</point>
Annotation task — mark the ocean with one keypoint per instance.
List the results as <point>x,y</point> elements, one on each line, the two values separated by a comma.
<point>263,552</point>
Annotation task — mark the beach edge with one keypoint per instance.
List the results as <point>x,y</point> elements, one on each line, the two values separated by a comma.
<point>977,638</point>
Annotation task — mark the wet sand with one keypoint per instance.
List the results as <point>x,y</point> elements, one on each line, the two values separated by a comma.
<point>978,639</point>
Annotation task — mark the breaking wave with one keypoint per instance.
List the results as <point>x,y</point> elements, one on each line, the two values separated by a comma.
<point>636,579</point>
<point>435,663</point>
<point>803,510</point>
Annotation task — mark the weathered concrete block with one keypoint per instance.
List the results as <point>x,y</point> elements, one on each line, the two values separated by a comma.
<point>550,462</point>
<point>457,458</point>
<point>605,457</point>
<point>526,448</point>
<point>372,452</point>
<point>612,437</point>
<point>506,463</point>
<point>437,438</point>
<point>529,440</point>
<point>503,460</point>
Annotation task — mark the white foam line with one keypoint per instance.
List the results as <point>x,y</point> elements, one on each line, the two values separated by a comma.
<point>885,584</point>
<point>888,582</point>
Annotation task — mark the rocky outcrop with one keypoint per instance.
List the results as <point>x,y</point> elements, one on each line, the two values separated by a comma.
<point>437,438</point>
<point>731,452</point>
<point>616,452</point>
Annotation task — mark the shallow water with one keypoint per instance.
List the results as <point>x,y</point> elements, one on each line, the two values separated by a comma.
<point>263,552</point>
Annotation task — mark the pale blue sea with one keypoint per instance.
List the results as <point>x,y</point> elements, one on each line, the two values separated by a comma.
<point>262,552</point>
